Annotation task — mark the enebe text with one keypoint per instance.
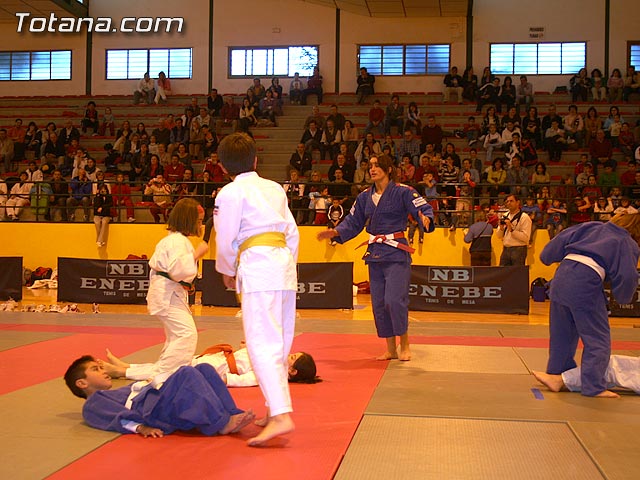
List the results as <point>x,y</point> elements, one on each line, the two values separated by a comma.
<point>53,24</point>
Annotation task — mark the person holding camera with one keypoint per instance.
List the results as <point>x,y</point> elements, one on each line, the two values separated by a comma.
<point>161,193</point>
<point>515,231</point>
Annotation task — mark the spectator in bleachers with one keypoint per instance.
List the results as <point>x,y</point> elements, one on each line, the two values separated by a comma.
<point>34,174</point>
<point>448,175</point>
<point>361,179</point>
<point>6,150</point>
<point>555,141</point>
<point>188,116</point>
<point>598,87</point>
<point>600,149</point>
<point>161,192</point>
<point>579,86</point>
<point>413,121</point>
<point>214,105</point>
<point>549,118</point>
<point>209,141</point>
<point>205,192</point>
<point>373,145</point>
<point>518,178</point>
<point>330,141</point>
<point>91,168</point>
<point>346,168</point>
<point>365,85</point>
<point>389,142</point>
<point>68,133</point>
<point>175,170</point>
<point>574,126</point>
<point>123,142</point>
<point>407,169</point>
<point>33,139</point>
<point>626,140</point>
<point>432,134</point>
<point>615,195</point>
<point>492,141</point>
<point>300,160</point>
<point>196,139</point>
<point>507,135</point>
<point>18,197</point>
<point>625,207</point>
<point>350,135</point>
<point>344,150</point>
<point>512,116</point>
<point>316,117</point>
<point>151,169</point>
<point>187,187</point>
<point>469,85</point>
<point>476,162</point>
<point>121,194</point>
<point>615,84</point>
<point>336,117</point>
<point>591,191</point>
<point>531,127</point>
<point>608,178</point>
<point>229,115</point>
<point>314,86</point>
<point>163,88</point>
<point>17,134</point>
<point>496,178</point>
<point>108,122</point>
<point>212,165</point>
<point>376,119</point>
<point>80,188</point>
<point>79,161</point>
<point>276,88</point>
<point>450,152</point>
<point>53,150</point>
<point>312,137</point>
<point>145,91</point>
<point>90,119</point>
<point>556,217</point>
<point>247,117</point>
<point>490,118</point>
<point>467,166</point>
<point>294,189</point>
<point>163,155</point>
<point>471,131</point>
<point>58,196</point>
<point>592,124</point>
<point>339,187</point>
<point>582,179</point>
<point>179,135</point>
<point>183,155</point>
<point>524,93</point>
<point>46,135</point>
<point>269,108</point>
<point>540,175</point>
<point>204,117</point>
<point>631,83</point>
<point>487,77</point>
<point>162,133</point>
<point>102,203</point>
<point>258,89</point>
<point>452,84</point>
<point>295,89</point>
<point>507,93</point>
<point>394,115</point>
<point>489,93</point>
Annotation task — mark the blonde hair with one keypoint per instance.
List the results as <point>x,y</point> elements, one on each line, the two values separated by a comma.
<point>630,222</point>
<point>184,218</point>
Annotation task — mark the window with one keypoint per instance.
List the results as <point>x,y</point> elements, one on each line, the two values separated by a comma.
<point>272,61</point>
<point>47,65</point>
<point>404,59</point>
<point>538,58</point>
<point>634,55</point>
<point>134,63</point>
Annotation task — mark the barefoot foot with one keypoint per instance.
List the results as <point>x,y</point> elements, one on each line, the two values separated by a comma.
<point>278,425</point>
<point>237,422</point>
<point>262,422</point>
<point>388,356</point>
<point>405,355</point>
<point>552,382</point>
<point>607,394</point>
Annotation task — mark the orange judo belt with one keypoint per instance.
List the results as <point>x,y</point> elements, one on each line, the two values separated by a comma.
<point>228,355</point>
<point>389,239</point>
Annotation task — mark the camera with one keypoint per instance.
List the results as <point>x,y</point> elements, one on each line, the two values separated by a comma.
<point>504,218</point>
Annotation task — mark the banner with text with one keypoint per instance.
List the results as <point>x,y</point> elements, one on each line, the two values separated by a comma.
<point>470,289</point>
<point>320,285</point>
<point>624,309</point>
<point>11,278</point>
<point>83,280</point>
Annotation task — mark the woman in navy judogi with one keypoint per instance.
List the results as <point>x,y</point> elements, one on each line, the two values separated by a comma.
<point>384,209</point>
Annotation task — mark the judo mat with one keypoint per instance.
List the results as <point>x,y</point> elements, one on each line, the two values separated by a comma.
<point>450,448</point>
<point>326,416</point>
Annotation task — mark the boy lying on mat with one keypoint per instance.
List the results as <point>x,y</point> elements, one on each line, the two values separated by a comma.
<point>190,398</point>
<point>234,367</point>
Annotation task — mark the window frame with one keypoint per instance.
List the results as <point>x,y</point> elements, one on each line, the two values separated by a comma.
<point>630,44</point>
<point>404,59</point>
<point>537,59</point>
<point>30,79</point>
<point>231,49</point>
<point>148,50</point>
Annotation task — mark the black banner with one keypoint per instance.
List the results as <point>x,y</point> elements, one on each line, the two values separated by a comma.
<point>624,309</point>
<point>11,278</point>
<point>102,281</point>
<point>470,289</point>
<point>320,285</point>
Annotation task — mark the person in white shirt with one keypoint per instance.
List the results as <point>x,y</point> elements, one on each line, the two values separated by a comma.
<point>18,197</point>
<point>515,232</point>
<point>145,91</point>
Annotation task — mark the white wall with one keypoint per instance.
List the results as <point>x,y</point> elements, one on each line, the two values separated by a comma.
<point>625,21</point>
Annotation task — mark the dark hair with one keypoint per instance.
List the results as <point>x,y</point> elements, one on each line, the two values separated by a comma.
<point>544,167</point>
<point>237,153</point>
<point>75,372</point>
<point>184,217</point>
<point>305,370</point>
<point>386,163</point>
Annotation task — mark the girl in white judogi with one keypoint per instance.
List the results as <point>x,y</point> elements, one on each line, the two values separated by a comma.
<point>173,268</point>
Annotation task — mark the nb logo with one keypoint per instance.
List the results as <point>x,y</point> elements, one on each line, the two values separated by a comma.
<point>127,269</point>
<point>450,275</point>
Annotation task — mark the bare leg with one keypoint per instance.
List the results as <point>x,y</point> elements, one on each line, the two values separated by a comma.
<point>278,425</point>
<point>607,394</point>
<point>405,351</point>
<point>392,351</point>
<point>238,422</point>
<point>552,382</point>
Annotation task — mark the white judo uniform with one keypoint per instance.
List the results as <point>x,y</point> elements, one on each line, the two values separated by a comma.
<point>244,378</point>
<point>168,300</point>
<point>622,371</point>
<point>266,276</point>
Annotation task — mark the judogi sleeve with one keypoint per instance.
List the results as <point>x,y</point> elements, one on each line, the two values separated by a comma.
<point>243,380</point>
<point>181,262</point>
<point>353,223</point>
<point>624,275</point>
<point>226,219</point>
<point>105,410</point>
<point>415,203</point>
<point>554,251</point>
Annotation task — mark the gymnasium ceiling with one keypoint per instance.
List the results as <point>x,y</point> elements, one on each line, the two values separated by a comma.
<point>40,8</point>
<point>400,8</point>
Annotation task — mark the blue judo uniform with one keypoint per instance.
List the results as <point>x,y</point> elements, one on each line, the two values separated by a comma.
<point>389,266</point>
<point>192,397</point>
<point>578,303</point>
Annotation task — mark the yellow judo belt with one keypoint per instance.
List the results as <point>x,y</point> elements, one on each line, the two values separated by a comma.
<point>266,239</point>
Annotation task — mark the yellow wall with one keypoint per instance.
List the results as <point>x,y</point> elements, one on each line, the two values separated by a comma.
<point>41,244</point>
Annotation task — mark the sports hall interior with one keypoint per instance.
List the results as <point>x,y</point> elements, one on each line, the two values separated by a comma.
<point>466,406</point>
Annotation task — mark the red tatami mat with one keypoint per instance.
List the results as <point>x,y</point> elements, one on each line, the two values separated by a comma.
<point>42,361</point>
<point>326,416</point>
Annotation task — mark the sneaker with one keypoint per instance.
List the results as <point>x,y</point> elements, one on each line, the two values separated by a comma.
<point>85,218</point>
<point>40,308</point>
<point>54,308</point>
<point>72,217</point>
<point>452,228</point>
<point>131,219</point>
<point>95,308</point>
